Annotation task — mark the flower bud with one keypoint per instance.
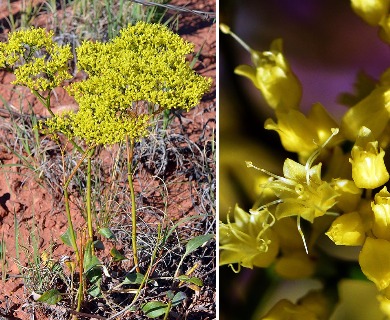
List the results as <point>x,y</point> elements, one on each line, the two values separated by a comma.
<point>381,209</point>
<point>368,166</point>
<point>347,230</point>
<point>374,260</point>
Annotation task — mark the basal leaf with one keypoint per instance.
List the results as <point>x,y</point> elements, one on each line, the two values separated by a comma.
<point>196,242</point>
<point>51,296</point>
<point>154,309</point>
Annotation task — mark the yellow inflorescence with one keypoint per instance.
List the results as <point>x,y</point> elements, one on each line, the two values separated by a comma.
<point>37,61</point>
<point>146,63</point>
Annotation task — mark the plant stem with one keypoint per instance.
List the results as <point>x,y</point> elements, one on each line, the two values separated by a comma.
<point>72,234</point>
<point>168,309</point>
<point>70,224</point>
<point>46,103</point>
<point>130,149</point>
<point>89,211</point>
<point>145,278</point>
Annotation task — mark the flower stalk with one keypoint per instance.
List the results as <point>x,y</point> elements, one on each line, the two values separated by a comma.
<point>130,169</point>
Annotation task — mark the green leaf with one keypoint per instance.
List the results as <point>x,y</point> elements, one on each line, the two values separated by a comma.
<point>66,238</point>
<point>51,296</point>
<point>178,298</point>
<point>154,309</point>
<point>133,278</point>
<point>196,242</point>
<point>90,260</point>
<point>117,255</point>
<point>193,280</point>
<point>95,278</point>
<point>107,233</point>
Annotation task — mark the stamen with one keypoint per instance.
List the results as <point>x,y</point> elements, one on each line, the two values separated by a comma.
<point>316,153</point>
<point>235,270</point>
<point>226,29</point>
<point>264,246</point>
<point>249,164</point>
<point>265,206</point>
<point>233,231</point>
<point>301,233</point>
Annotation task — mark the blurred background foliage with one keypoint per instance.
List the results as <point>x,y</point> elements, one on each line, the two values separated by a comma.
<point>327,46</point>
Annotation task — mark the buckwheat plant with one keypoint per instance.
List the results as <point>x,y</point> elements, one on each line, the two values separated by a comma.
<point>337,187</point>
<point>130,79</point>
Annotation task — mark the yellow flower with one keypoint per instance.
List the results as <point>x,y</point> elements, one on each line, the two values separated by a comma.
<point>38,62</point>
<point>302,192</point>
<point>381,209</point>
<point>271,74</point>
<point>249,240</point>
<point>347,230</point>
<point>371,11</point>
<point>302,134</point>
<point>368,167</point>
<point>374,260</point>
<point>372,112</point>
<point>145,67</point>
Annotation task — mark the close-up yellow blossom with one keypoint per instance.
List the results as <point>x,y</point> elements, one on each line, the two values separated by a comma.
<point>248,241</point>
<point>272,75</point>
<point>381,210</point>
<point>374,260</point>
<point>302,134</point>
<point>302,192</point>
<point>347,230</point>
<point>368,167</point>
<point>328,201</point>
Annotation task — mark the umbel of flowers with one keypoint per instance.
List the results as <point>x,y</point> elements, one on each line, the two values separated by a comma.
<point>146,63</point>
<point>37,61</point>
<point>337,186</point>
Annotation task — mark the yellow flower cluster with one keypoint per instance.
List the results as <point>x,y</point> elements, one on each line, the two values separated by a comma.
<point>342,202</point>
<point>145,65</point>
<point>37,61</point>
